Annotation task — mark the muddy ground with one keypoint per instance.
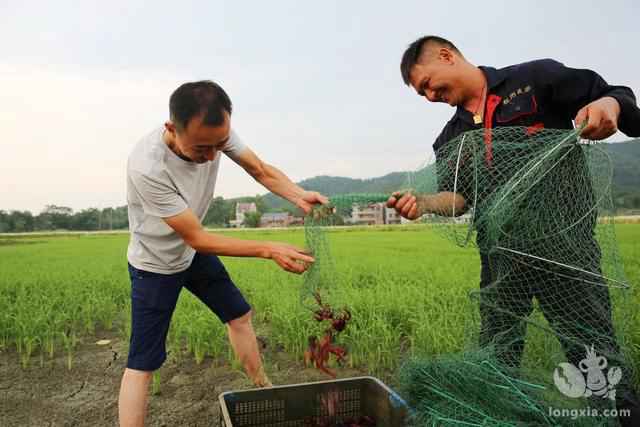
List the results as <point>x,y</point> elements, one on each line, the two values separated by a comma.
<point>48,394</point>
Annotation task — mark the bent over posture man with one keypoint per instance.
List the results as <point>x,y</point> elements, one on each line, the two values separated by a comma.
<point>538,94</point>
<point>171,175</point>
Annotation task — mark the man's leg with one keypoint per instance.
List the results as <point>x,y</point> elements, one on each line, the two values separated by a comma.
<point>132,402</point>
<point>153,299</point>
<point>244,343</point>
<point>580,313</point>
<point>209,281</point>
<point>505,303</point>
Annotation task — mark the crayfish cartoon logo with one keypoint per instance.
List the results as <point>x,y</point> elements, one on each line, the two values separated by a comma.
<point>571,381</point>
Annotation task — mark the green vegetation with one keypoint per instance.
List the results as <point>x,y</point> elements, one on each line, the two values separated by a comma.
<point>55,217</point>
<point>406,287</point>
<point>252,219</point>
<point>626,174</point>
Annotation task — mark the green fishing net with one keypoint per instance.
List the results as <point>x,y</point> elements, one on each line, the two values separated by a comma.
<point>321,276</point>
<point>537,205</point>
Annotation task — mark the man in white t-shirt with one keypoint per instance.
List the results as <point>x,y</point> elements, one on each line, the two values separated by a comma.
<point>171,175</point>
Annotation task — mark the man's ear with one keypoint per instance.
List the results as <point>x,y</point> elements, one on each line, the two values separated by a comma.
<point>446,55</point>
<point>170,127</point>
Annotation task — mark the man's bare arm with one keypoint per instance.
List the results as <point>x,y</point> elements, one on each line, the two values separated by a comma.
<point>444,203</point>
<point>288,257</point>
<point>277,182</point>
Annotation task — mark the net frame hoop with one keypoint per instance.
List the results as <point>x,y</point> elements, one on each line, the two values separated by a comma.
<point>622,285</point>
<point>467,239</point>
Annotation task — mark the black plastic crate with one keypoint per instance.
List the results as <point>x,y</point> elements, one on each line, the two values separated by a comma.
<point>309,404</point>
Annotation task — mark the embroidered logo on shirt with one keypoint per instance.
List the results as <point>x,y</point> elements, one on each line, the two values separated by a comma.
<point>508,98</point>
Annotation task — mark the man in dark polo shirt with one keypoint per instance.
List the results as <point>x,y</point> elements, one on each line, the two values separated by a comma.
<point>537,94</point>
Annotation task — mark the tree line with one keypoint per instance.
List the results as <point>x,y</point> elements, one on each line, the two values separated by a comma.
<point>60,218</point>
<point>55,217</point>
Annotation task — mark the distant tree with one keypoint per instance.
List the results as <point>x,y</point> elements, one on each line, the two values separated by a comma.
<point>106,219</point>
<point>219,213</point>
<point>252,219</point>
<point>58,210</point>
<point>120,218</point>
<point>43,223</point>
<point>54,217</point>
<point>5,226</point>
<point>87,219</point>
<point>20,221</point>
<point>261,204</point>
<point>113,218</point>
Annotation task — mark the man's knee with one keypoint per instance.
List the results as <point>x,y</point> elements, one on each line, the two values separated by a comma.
<point>135,374</point>
<point>240,323</point>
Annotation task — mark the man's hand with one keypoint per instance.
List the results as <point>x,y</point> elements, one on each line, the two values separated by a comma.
<point>405,203</point>
<point>310,198</point>
<point>601,117</point>
<point>289,257</point>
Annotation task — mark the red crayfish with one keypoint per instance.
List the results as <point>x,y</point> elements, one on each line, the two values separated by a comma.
<point>319,350</point>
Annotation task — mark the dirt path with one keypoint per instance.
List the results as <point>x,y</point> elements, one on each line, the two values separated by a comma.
<point>51,395</point>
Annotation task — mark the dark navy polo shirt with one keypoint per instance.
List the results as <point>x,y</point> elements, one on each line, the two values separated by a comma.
<point>542,93</point>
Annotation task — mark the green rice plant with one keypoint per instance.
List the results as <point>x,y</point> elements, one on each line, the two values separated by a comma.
<point>155,383</point>
<point>407,289</point>
<point>69,342</point>
<point>29,344</point>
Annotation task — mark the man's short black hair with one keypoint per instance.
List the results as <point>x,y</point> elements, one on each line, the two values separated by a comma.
<point>415,49</point>
<point>196,98</point>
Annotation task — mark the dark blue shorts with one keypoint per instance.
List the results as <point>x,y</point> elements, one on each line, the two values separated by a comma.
<point>154,297</point>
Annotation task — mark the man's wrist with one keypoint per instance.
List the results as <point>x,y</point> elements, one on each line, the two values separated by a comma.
<point>615,103</point>
<point>424,204</point>
<point>264,250</point>
<point>298,198</point>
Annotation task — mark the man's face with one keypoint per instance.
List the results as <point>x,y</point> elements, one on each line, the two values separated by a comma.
<point>200,143</point>
<point>437,77</point>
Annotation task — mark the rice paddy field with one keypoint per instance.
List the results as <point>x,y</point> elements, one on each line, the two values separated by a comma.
<point>407,289</point>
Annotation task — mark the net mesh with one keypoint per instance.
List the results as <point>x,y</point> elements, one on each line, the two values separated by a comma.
<point>321,276</point>
<point>537,204</point>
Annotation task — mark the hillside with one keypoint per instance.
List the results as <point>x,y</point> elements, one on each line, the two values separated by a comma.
<point>626,163</point>
<point>333,185</point>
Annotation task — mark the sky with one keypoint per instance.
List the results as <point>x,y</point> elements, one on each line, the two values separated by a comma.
<point>316,86</point>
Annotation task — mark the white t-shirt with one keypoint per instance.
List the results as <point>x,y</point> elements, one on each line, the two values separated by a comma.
<point>159,185</point>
